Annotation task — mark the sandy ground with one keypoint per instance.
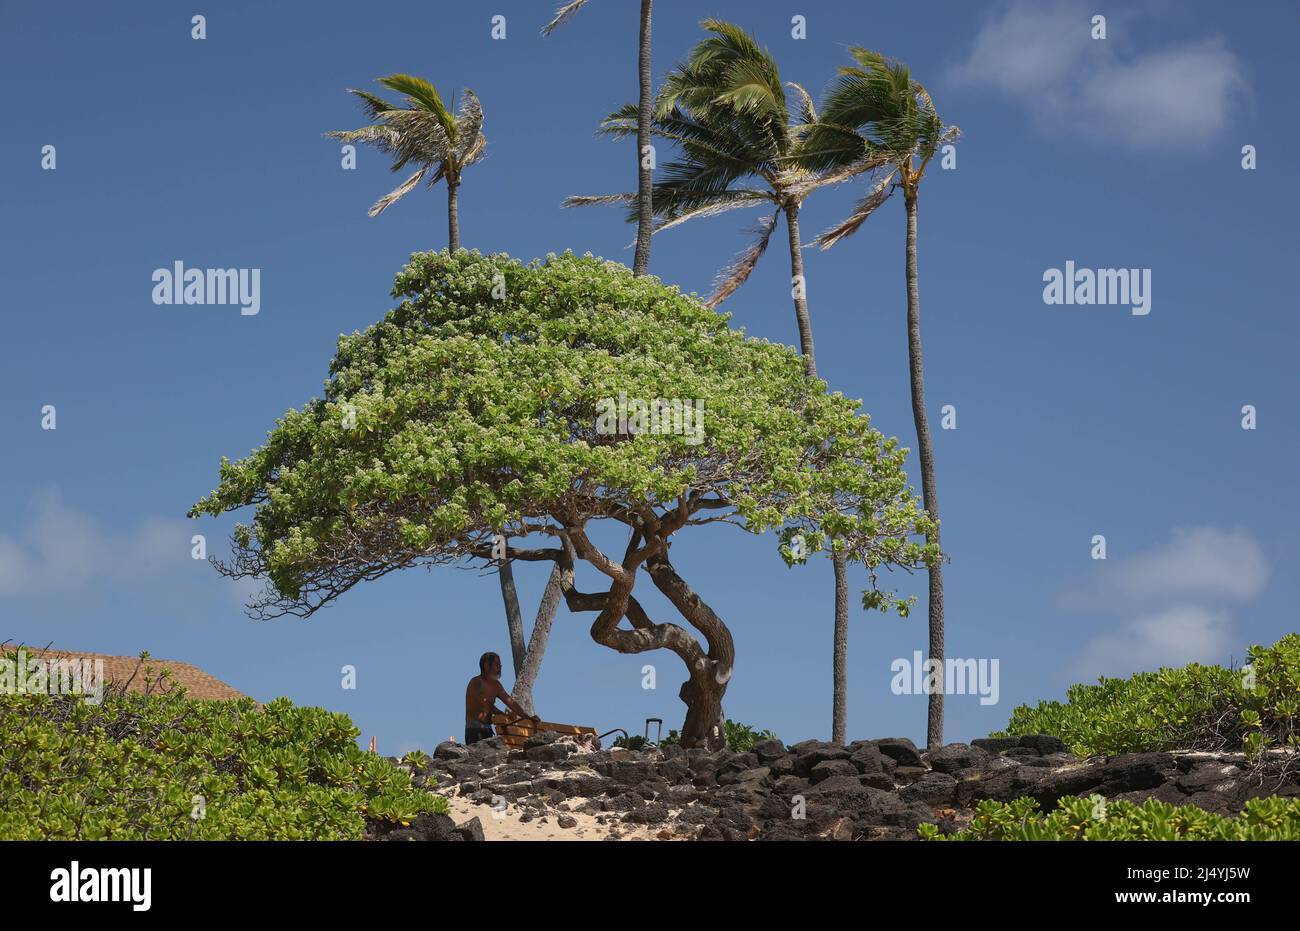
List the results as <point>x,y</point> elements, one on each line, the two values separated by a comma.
<point>506,825</point>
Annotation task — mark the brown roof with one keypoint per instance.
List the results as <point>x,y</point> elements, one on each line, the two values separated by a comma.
<point>197,683</point>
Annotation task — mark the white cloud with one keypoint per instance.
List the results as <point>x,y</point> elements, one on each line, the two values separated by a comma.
<point>1173,637</point>
<point>1043,56</point>
<point>1203,561</point>
<point>1177,590</point>
<point>63,549</point>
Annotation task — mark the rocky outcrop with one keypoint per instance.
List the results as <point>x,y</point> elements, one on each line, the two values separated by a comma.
<point>815,790</point>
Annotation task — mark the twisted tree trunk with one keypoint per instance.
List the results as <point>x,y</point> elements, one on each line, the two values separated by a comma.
<point>934,716</point>
<point>709,670</point>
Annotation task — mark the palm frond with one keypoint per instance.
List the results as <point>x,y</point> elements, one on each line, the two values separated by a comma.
<point>420,138</point>
<point>562,15</point>
<point>807,109</point>
<point>396,193</point>
<point>728,200</point>
<point>469,126</point>
<point>592,200</point>
<point>373,104</point>
<point>861,211</point>
<point>738,272</point>
<point>423,93</point>
<point>381,137</point>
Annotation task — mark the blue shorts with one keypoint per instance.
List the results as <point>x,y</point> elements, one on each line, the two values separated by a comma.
<point>476,731</point>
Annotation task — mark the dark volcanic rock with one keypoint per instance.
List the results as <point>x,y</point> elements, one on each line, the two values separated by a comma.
<point>816,790</point>
<point>827,769</point>
<point>877,781</point>
<point>1002,786</point>
<point>901,750</point>
<point>1129,772</point>
<point>471,830</point>
<point>1078,780</point>
<point>995,745</point>
<point>769,750</point>
<point>1212,777</point>
<point>933,789</point>
<point>870,760</point>
<point>955,757</point>
<point>814,752</point>
<point>450,750</point>
<point>1042,744</point>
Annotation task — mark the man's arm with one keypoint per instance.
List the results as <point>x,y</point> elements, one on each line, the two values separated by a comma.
<point>514,705</point>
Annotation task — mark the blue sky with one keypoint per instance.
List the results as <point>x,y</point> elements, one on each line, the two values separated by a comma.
<point>1072,421</point>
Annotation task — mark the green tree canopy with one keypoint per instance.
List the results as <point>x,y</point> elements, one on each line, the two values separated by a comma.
<point>473,408</point>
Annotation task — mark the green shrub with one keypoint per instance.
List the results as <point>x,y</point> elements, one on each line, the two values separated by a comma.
<point>1095,818</point>
<point>740,737</point>
<point>161,766</point>
<point>1197,707</point>
<point>635,741</point>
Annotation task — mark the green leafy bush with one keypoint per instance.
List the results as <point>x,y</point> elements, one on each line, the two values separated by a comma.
<point>1095,818</point>
<point>161,766</point>
<point>635,741</point>
<point>740,737</point>
<point>1194,706</point>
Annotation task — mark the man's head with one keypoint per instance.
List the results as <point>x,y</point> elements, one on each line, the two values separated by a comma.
<point>489,664</point>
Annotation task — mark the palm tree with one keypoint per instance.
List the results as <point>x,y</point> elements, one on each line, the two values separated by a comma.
<point>422,133</point>
<point>876,112</point>
<point>645,210</point>
<point>726,109</point>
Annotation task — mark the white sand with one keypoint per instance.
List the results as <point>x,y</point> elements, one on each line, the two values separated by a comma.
<point>505,825</point>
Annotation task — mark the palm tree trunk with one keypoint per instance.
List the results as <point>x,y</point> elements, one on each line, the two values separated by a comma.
<point>840,713</point>
<point>799,289</point>
<point>453,215</point>
<point>645,215</point>
<point>839,659</point>
<point>934,718</point>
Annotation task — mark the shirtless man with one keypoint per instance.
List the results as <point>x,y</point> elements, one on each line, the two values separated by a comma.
<point>480,699</point>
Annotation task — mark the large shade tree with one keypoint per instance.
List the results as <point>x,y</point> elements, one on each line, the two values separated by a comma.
<point>478,407</point>
<point>876,113</point>
<point>422,132</point>
<point>741,141</point>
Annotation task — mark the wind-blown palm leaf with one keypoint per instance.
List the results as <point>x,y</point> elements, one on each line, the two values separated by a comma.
<point>589,200</point>
<point>733,199</point>
<point>374,105</point>
<point>562,15</point>
<point>738,272</point>
<point>469,125</point>
<point>807,109</point>
<point>381,137</point>
<point>397,193</point>
<point>425,94</point>
<point>861,211</point>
